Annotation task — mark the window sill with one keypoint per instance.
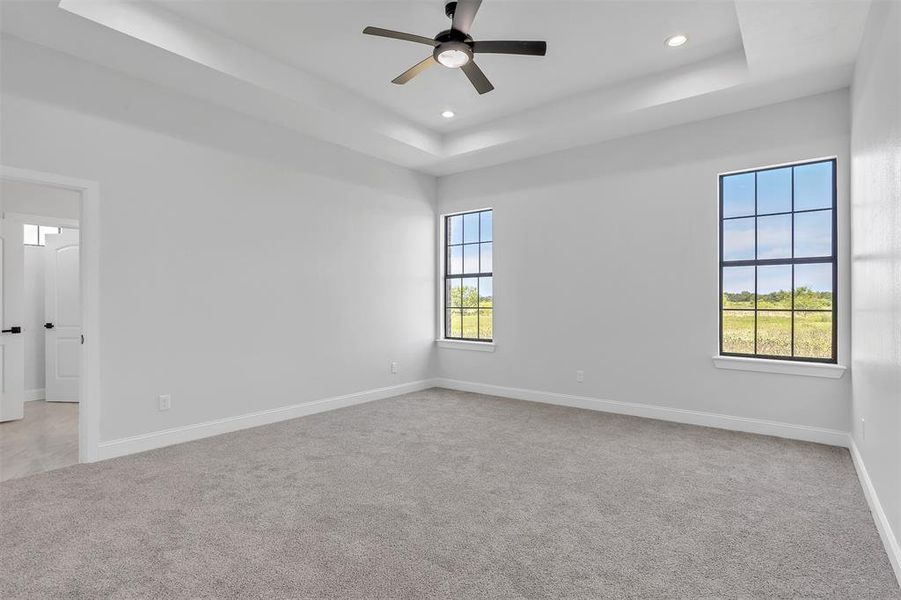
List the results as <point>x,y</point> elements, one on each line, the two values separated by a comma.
<point>785,367</point>
<point>462,345</point>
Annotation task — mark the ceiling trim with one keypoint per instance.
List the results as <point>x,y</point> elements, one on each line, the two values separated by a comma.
<point>190,58</point>
<point>335,108</point>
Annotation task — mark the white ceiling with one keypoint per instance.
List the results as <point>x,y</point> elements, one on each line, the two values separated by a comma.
<point>590,44</point>
<point>305,65</point>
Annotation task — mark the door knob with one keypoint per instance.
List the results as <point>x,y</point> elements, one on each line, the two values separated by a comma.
<point>48,325</point>
<point>13,329</point>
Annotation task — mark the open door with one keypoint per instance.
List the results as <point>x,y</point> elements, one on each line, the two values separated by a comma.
<point>12,304</point>
<point>62,311</point>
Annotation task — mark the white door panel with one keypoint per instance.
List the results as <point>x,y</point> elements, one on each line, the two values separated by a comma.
<point>12,304</point>
<point>62,310</point>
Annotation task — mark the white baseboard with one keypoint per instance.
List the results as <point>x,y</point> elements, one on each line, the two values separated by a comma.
<point>177,435</point>
<point>35,394</point>
<point>188,433</point>
<point>832,437</point>
<point>889,539</point>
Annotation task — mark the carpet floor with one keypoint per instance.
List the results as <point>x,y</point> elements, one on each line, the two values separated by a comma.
<point>443,494</point>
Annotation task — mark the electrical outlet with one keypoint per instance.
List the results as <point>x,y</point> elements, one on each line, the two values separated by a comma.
<point>863,429</point>
<point>165,401</point>
<point>580,376</point>
<point>394,367</point>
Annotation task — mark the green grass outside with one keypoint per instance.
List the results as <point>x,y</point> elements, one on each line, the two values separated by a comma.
<point>470,316</point>
<point>813,333</point>
<point>475,323</point>
<point>474,319</point>
<point>804,298</point>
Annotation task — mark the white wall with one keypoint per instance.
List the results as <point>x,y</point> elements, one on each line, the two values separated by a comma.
<point>33,325</point>
<point>585,237</point>
<point>876,263</point>
<point>242,268</point>
<point>209,222</point>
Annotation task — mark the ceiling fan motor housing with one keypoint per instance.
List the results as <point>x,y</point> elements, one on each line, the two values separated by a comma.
<point>452,35</point>
<point>454,48</point>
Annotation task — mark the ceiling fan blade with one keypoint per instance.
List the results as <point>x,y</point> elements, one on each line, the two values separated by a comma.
<point>399,35</point>
<point>464,14</point>
<point>414,71</point>
<point>477,78</point>
<point>511,47</point>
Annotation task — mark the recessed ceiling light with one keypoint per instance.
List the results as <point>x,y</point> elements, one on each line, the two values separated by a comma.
<point>448,114</point>
<point>676,40</point>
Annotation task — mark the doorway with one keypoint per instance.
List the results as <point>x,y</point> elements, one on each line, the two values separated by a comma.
<point>49,375</point>
<point>42,328</point>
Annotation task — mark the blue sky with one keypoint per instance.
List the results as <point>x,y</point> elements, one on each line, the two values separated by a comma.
<point>470,229</point>
<point>813,236</point>
<point>813,189</point>
<point>465,228</point>
<point>813,230</point>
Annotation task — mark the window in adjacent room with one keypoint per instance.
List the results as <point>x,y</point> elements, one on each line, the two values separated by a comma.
<point>36,235</point>
<point>468,277</point>
<point>778,269</point>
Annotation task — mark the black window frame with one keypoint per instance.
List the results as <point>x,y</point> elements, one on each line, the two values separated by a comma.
<point>446,246</point>
<point>833,259</point>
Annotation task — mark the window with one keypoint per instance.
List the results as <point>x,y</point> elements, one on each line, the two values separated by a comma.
<point>36,235</point>
<point>778,268</point>
<point>468,277</point>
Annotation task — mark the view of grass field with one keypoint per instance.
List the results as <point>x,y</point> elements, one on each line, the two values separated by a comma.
<point>805,298</point>
<point>812,330</point>
<point>471,314</point>
<point>473,323</point>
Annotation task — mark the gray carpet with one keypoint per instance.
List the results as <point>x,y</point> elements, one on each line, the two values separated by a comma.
<point>442,494</point>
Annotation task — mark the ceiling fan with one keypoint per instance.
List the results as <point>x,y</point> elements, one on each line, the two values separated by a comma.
<point>454,48</point>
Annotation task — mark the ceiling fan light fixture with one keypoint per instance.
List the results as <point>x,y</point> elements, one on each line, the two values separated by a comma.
<point>453,58</point>
<point>448,114</point>
<point>674,41</point>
